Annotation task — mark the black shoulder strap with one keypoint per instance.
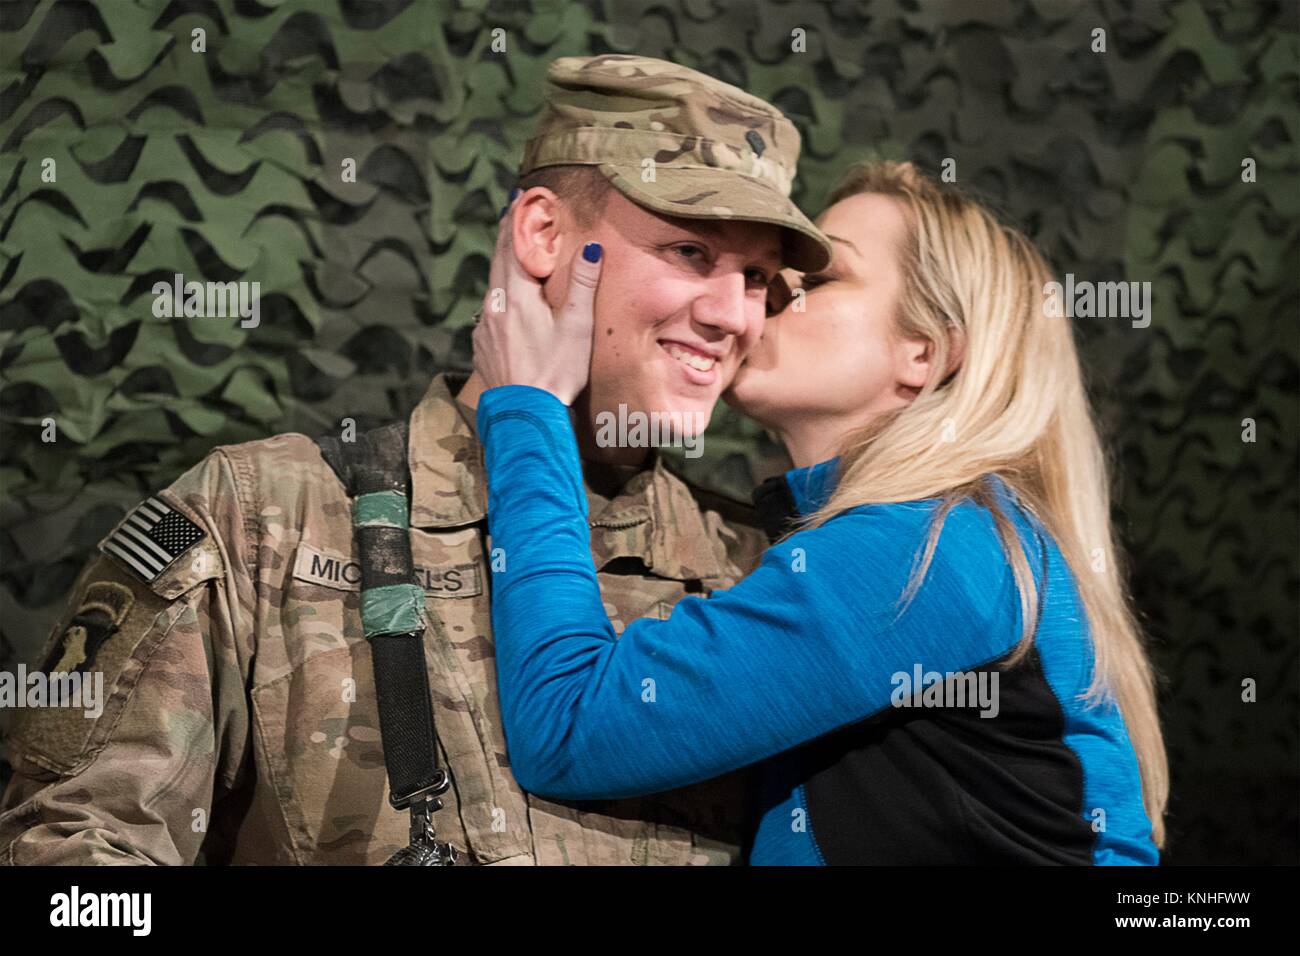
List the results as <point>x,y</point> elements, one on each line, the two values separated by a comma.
<point>776,507</point>
<point>374,471</point>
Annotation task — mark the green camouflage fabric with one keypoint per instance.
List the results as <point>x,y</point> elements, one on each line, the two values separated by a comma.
<point>1122,164</point>
<point>241,717</point>
<point>678,142</point>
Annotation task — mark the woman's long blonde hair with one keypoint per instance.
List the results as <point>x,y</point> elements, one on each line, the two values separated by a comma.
<point>1015,407</point>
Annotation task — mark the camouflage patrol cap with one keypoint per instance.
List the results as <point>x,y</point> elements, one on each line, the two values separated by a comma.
<point>678,142</point>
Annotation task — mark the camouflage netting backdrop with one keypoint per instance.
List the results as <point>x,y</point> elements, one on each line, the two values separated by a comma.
<point>226,164</point>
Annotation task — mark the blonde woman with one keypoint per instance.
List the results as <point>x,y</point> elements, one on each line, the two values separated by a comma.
<point>936,662</point>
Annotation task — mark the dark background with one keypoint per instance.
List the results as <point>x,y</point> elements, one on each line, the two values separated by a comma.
<point>1123,164</point>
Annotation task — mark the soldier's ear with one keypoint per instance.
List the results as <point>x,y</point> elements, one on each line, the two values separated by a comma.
<point>536,223</point>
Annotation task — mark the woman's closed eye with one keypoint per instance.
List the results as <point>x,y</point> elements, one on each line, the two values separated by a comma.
<point>812,281</point>
<point>778,295</point>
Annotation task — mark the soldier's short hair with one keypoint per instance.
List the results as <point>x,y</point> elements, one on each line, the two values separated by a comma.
<point>584,189</point>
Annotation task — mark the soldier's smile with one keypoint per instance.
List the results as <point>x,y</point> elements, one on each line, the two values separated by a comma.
<point>697,365</point>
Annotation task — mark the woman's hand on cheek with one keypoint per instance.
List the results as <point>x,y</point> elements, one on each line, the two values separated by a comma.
<point>520,340</point>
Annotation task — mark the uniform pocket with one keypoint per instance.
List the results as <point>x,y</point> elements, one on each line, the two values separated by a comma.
<point>318,745</point>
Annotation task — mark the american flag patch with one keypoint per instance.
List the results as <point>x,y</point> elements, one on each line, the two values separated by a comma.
<point>151,537</point>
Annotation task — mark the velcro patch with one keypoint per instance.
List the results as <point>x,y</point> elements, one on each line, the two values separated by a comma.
<point>343,573</point>
<point>151,537</point>
<point>114,623</point>
<point>103,608</point>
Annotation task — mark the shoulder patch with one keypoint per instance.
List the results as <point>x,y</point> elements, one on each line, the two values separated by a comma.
<point>101,611</point>
<point>89,668</point>
<point>151,537</point>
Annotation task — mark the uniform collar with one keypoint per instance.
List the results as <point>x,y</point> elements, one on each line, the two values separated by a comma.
<point>448,483</point>
<point>654,518</point>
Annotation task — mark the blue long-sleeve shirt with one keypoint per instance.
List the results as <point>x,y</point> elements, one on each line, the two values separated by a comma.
<point>803,665</point>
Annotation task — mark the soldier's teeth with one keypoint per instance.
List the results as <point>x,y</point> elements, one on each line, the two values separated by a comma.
<point>690,358</point>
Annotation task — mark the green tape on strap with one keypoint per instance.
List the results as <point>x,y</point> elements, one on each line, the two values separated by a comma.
<point>392,609</point>
<point>380,509</point>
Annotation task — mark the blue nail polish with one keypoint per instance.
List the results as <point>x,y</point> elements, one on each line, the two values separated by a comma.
<point>592,252</point>
<point>514,191</point>
<point>502,213</point>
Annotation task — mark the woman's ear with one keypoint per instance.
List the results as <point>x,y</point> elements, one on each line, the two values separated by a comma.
<point>534,221</point>
<point>916,357</point>
<point>912,359</point>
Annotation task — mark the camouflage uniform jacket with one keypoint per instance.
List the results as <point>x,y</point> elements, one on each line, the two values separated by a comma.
<point>239,717</point>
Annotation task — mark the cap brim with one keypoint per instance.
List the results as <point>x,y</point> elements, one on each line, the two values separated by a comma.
<point>724,194</point>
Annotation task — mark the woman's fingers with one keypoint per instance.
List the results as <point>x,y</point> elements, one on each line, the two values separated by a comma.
<point>569,344</point>
<point>520,339</point>
<point>583,279</point>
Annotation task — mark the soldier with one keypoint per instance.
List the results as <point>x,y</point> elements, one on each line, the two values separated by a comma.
<point>239,718</point>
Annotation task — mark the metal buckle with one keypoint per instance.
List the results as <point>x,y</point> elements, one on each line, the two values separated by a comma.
<point>441,781</point>
<point>424,849</point>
